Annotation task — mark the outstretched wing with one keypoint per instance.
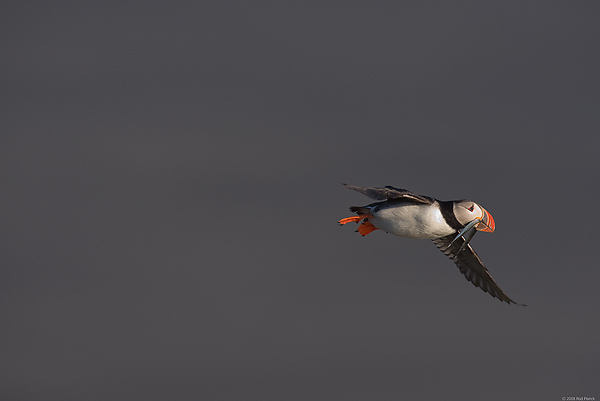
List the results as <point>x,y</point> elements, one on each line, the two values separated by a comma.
<point>471,266</point>
<point>389,192</point>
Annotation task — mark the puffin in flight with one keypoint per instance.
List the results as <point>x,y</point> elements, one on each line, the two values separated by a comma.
<point>450,224</point>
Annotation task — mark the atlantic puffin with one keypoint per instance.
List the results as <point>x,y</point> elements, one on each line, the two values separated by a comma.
<point>449,224</point>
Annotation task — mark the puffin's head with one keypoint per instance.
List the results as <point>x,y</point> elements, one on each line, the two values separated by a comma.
<point>467,212</point>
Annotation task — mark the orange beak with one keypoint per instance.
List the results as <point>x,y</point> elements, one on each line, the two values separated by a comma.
<point>487,222</point>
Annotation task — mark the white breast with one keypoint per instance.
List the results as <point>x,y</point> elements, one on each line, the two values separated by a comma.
<point>412,221</point>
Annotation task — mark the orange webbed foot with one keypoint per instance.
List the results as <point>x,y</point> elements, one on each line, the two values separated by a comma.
<point>355,219</point>
<point>366,227</point>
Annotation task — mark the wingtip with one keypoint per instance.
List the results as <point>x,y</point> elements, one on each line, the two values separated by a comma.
<point>510,301</point>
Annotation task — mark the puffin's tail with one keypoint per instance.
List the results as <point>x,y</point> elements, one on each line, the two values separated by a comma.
<point>361,210</point>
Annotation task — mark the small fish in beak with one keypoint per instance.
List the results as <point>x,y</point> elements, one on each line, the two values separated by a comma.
<point>467,233</point>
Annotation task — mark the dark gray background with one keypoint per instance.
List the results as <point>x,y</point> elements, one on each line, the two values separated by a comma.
<point>170,190</point>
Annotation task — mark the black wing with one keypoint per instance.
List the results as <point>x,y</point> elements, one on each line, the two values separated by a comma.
<point>389,192</point>
<point>471,266</point>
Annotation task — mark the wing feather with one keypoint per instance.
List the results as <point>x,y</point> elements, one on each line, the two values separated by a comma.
<point>389,192</point>
<point>471,266</point>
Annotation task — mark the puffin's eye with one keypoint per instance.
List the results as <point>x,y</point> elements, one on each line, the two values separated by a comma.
<point>470,208</point>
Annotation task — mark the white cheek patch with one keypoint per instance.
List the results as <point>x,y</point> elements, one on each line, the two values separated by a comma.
<point>463,215</point>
